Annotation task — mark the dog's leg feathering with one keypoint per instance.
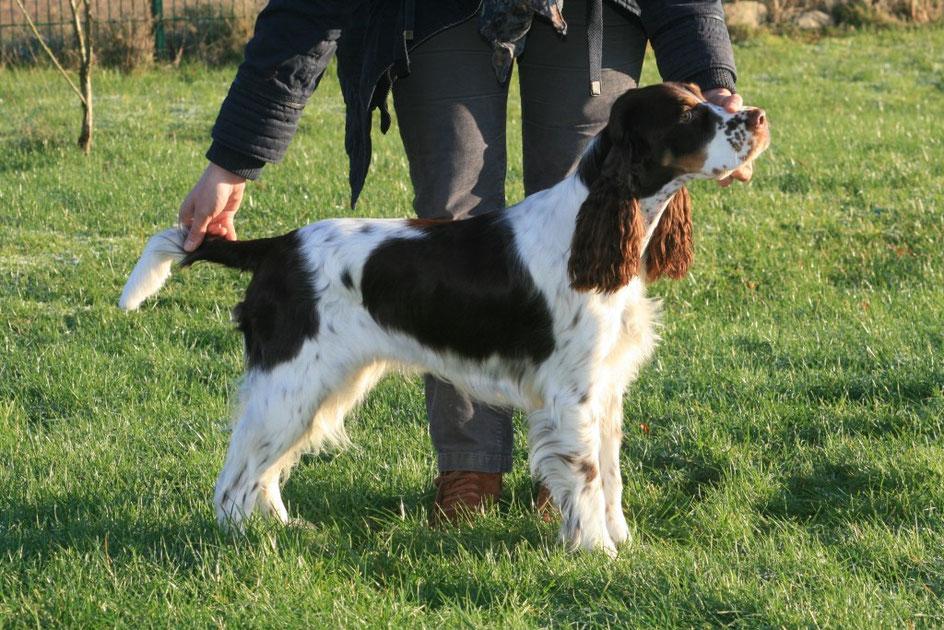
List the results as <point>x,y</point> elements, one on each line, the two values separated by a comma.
<point>565,447</point>
<point>152,270</point>
<point>291,410</point>
<point>276,412</point>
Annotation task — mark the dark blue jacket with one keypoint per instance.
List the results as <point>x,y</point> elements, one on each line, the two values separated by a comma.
<point>295,39</point>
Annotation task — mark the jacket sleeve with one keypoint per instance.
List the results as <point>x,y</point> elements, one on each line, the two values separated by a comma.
<point>291,46</point>
<point>691,41</point>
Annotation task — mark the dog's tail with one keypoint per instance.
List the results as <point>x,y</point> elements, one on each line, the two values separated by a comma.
<point>149,275</point>
<point>167,247</point>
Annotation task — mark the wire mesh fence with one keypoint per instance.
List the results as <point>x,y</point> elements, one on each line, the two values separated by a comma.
<point>161,28</point>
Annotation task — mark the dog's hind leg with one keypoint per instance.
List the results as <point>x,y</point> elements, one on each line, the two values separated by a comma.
<point>565,455</point>
<point>284,411</point>
<point>326,427</point>
<point>275,411</point>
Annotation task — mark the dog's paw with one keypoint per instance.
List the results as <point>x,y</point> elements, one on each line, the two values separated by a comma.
<point>230,514</point>
<point>604,544</point>
<point>618,529</point>
<point>593,539</point>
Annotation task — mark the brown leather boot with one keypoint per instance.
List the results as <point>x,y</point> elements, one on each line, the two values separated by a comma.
<point>544,505</point>
<point>463,493</point>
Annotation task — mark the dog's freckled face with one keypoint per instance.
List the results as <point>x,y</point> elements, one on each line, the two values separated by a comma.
<point>682,134</point>
<point>541,307</point>
<point>658,138</point>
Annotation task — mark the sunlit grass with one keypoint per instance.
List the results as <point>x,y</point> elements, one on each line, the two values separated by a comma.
<point>791,472</point>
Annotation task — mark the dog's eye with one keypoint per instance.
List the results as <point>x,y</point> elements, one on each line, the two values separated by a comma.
<point>687,115</point>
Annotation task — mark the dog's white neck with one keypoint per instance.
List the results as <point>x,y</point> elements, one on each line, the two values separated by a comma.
<point>654,206</point>
<point>546,219</point>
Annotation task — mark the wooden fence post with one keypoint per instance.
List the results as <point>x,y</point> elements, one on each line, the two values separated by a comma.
<point>157,15</point>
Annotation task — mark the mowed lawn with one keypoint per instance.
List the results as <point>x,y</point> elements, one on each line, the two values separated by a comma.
<point>784,452</point>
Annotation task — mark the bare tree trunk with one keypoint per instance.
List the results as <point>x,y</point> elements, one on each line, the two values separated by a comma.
<point>85,81</point>
<point>83,39</point>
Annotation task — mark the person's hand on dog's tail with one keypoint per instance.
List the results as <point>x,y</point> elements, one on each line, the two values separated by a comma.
<point>210,206</point>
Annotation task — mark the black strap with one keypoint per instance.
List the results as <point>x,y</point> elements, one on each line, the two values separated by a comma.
<point>409,18</point>
<point>595,45</point>
<point>401,65</point>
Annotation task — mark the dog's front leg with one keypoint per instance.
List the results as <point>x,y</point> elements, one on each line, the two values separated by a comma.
<point>565,455</point>
<point>611,436</point>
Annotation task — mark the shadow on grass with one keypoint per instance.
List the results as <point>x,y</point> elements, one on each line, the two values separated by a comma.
<point>862,398</point>
<point>689,477</point>
<point>35,531</point>
<point>588,589</point>
<point>343,516</point>
<point>834,501</point>
<point>834,493</point>
<point>357,529</point>
<point>360,510</point>
<point>902,388</point>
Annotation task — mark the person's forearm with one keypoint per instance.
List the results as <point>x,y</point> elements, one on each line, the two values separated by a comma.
<point>293,42</point>
<point>691,41</point>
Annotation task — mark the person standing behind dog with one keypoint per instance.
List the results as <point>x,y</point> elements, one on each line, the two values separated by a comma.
<point>448,73</point>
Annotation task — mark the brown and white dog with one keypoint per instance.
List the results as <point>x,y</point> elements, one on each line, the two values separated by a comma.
<point>541,306</point>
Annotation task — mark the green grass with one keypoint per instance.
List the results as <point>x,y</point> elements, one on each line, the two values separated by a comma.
<point>793,473</point>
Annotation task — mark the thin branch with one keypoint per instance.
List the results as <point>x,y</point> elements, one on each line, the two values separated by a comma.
<point>79,33</point>
<point>49,52</point>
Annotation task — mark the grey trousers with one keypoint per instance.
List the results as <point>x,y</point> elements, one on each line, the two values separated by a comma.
<point>451,115</point>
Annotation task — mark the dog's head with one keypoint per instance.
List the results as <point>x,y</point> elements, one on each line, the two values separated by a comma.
<point>657,138</point>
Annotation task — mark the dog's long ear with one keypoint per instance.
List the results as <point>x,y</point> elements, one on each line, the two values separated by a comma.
<point>605,251</point>
<point>670,250</point>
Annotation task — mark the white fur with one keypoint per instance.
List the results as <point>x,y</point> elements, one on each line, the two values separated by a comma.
<point>573,398</point>
<point>149,275</point>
